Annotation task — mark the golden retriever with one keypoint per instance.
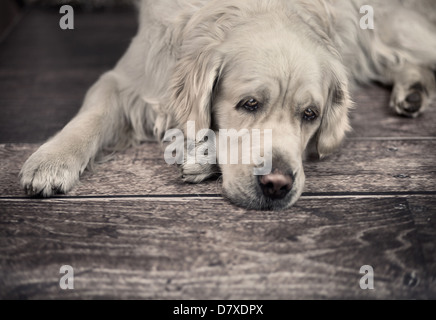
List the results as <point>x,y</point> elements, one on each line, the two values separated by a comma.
<point>278,66</point>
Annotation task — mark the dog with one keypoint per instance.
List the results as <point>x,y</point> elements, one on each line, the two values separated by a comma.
<point>286,66</point>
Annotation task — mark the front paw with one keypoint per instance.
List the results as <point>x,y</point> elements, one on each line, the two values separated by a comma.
<point>49,172</point>
<point>197,173</point>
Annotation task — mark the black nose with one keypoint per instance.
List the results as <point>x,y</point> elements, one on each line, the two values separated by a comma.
<point>276,185</point>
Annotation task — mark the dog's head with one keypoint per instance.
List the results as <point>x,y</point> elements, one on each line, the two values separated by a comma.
<point>265,68</point>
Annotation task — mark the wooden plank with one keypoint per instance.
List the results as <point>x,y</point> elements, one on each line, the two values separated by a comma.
<point>359,167</point>
<point>137,171</point>
<point>424,215</point>
<point>376,166</point>
<point>207,249</point>
<point>372,117</point>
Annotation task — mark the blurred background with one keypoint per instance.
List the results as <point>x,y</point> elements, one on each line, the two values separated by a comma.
<point>45,71</point>
<point>10,9</point>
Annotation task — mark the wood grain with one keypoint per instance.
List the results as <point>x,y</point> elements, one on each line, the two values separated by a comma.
<point>359,166</point>
<point>181,248</point>
<point>424,215</point>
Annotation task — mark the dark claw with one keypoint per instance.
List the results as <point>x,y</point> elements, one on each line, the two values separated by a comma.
<point>413,102</point>
<point>414,97</point>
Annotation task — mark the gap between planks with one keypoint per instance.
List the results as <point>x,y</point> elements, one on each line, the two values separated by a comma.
<point>391,138</point>
<point>183,197</point>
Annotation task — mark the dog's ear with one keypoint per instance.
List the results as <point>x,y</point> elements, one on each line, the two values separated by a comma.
<point>192,87</point>
<point>200,65</point>
<point>335,123</point>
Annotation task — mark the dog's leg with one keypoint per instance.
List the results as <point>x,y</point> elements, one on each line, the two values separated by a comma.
<point>56,166</point>
<point>414,88</point>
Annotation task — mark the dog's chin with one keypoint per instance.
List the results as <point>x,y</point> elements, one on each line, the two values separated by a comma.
<point>263,204</point>
<point>255,200</point>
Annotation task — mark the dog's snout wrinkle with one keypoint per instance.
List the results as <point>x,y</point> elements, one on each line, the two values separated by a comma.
<point>276,185</point>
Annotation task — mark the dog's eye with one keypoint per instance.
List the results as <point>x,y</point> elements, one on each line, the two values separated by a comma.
<point>310,114</point>
<point>249,104</point>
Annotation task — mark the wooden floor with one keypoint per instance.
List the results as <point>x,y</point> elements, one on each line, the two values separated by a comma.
<point>132,229</point>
